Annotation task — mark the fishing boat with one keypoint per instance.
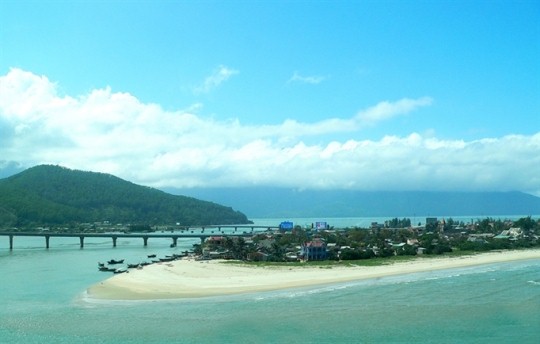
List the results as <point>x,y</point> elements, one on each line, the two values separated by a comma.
<point>106,268</point>
<point>120,270</point>
<point>166,259</point>
<point>114,261</point>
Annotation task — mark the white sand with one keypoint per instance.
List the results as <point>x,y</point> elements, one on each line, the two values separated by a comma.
<point>190,278</point>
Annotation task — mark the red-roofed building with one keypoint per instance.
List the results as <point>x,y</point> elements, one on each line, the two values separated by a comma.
<point>314,250</point>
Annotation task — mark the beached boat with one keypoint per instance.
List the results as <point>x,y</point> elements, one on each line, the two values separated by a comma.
<point>133,266</point>
<point>166,259</point>
<point>106,268</point>
<point>120,270</point>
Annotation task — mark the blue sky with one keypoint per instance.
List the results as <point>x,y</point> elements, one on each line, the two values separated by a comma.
<point>304,94</point>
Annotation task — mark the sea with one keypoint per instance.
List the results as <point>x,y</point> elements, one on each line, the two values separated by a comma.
<point>43,300</point>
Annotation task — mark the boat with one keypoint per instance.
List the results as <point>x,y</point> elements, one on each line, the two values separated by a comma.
<point>151,256</point>
<point>133,266</point>
<point>114,261</point>
<point>166,259</point>
<point>120,270</point>
<point>100,264</point>
<point>106,268</point>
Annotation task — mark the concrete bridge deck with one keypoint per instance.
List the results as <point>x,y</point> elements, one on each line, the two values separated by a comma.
<point>187,232</point>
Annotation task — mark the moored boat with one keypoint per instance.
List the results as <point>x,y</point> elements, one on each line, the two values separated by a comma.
<point>106,268</point>
<point>120,270</point>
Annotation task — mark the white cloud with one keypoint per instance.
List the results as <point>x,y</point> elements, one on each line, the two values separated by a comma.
<point>211,82</point>
<point>386,110</point>
<point>116,133</point>
<point>313,79</point>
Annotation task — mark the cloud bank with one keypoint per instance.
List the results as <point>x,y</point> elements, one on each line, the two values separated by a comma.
<point>114,132</point>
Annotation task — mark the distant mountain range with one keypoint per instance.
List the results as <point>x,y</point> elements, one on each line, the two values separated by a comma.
<point>49,194</point>
<point>287,203</point>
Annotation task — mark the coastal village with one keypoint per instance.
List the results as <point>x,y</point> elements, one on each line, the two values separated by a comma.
<point>320,241</point>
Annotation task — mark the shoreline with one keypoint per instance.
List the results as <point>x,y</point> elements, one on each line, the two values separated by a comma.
<point>183,279</point>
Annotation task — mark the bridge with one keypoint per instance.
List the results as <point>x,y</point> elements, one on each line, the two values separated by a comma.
<point>144,236</point>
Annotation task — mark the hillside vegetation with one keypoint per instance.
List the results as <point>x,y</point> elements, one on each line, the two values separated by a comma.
<point>49,194</point>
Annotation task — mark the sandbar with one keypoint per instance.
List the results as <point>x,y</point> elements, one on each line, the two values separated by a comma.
<point>188,278</point>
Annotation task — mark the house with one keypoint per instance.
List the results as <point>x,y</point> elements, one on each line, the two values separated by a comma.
<point>216,240</point>
<point>266,243</point>
<point>291,256</point>
<point>480,238</point>
<point>257,256</point>
<point>515,232</point>
<point>314,250</point>
<point>412,242</point>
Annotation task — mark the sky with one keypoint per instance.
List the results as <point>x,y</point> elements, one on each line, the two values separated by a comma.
<point>362,95</point>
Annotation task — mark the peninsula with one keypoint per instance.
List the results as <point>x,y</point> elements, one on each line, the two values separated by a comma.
<point>194,279</point>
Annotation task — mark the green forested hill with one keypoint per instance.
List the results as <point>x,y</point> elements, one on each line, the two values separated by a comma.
<point>49,194</point>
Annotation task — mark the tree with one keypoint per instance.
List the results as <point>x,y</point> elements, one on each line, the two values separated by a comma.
<point>526,223</point>
<point>407,250</point>
<point>239,248</point>
<point>197,249</point>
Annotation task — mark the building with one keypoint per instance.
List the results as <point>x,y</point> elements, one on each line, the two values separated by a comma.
<point>286,226</point>
<point>314,250</point>
<point>321,225</point>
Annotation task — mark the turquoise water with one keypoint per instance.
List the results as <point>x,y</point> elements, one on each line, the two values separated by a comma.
<point>43,300</point>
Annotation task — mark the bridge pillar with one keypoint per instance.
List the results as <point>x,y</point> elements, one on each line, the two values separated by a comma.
<point>11,242</point>
<point>114,241</point>
<point>145,240</point>
<point>174,241</point>
<point>81,239</point>
<point>202,240</point>
<point>46,241</point>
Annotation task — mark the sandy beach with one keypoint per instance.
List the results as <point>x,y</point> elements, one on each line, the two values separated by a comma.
<point>192,279</point>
